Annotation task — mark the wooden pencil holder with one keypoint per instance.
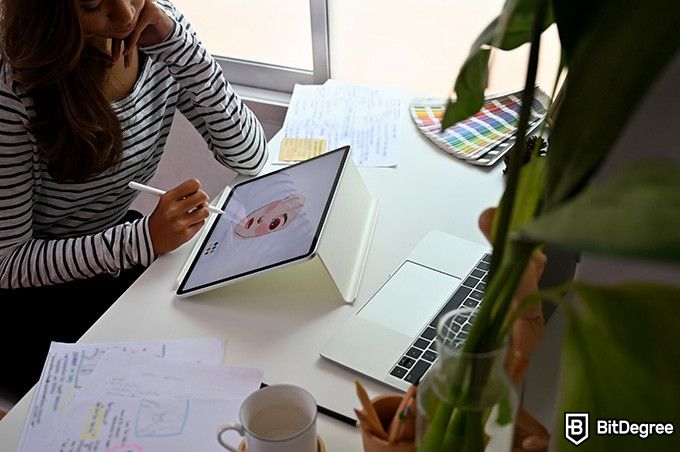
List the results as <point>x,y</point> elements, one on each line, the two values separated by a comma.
<point>386,406</point>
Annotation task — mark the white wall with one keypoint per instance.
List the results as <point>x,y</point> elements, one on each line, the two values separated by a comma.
<point>421,44</point>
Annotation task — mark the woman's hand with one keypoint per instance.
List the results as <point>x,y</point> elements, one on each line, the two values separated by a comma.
<point>179,215</point>
<point>153,27</point>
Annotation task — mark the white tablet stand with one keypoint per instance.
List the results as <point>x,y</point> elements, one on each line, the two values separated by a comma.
<point>346,235</point>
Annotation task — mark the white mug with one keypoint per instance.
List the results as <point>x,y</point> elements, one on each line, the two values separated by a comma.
<point>277,418</point>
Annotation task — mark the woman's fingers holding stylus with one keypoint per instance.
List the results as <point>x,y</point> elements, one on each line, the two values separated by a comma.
<point>183,190</point>
<point>180,214</point>
<point>189,197</point>
<point>198,200</point>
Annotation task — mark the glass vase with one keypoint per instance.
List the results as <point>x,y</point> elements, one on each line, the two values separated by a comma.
<point>465,401</point>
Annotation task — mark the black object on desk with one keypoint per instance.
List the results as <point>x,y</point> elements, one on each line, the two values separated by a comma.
<point>328,412</point>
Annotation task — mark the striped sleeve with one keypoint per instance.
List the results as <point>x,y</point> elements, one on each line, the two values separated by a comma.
<point>208,101</point>
<point>27,261</point>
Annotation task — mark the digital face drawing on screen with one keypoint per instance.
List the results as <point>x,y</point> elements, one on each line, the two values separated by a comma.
<point>266,222</point>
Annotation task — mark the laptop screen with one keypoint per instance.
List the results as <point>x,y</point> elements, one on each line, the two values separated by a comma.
<point>269,221</point>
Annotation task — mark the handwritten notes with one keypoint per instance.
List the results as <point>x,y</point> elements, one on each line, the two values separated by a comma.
<point>366,118</point>
<point>136,425</point>
<point>134,403</point>
<point>104,397</point>
<point>120,375</point>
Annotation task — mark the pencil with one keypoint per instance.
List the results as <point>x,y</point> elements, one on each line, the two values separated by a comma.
<point>367,423</point>
<point>408,431</point>
<point>369,410</point>
<point>397,419</point>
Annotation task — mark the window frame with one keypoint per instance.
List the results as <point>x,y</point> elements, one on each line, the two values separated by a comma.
<point>281,78</point>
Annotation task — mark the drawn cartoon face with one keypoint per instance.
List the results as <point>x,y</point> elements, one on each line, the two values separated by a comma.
<point>271,217</point>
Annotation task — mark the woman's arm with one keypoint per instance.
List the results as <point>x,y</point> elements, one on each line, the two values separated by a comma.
<point>230,129</point>
<point>29,262</point>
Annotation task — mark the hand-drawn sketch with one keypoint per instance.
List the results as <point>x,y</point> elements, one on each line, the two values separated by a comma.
<point>166,418</point>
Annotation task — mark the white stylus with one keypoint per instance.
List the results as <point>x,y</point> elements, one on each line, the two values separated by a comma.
<point>158,192</point>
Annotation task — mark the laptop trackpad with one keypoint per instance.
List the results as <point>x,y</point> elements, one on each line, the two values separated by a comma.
<point>410,298</point>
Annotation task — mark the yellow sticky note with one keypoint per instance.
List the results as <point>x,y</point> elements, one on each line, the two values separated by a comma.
<point>299,149</point>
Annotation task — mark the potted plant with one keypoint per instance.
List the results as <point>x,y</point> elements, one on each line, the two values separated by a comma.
<point>620,355</point>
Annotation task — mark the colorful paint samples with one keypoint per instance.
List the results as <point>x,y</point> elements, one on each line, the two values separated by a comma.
<point>481,139</point>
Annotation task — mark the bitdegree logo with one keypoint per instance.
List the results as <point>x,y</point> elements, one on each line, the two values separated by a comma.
<point>576,428</point>
<point>625,427</point>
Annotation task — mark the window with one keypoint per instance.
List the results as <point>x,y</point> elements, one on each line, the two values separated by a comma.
<point>270,44</point>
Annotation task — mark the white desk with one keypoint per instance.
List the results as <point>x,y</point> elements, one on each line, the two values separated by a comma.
<point>280,321</point>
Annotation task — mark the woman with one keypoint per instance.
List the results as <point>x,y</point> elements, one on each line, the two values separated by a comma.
<point>88,91</point>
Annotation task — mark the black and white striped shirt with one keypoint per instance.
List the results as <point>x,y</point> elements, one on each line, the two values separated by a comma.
<point>56,232</point>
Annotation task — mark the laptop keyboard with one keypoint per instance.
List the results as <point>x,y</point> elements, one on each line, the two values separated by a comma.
<point>422,352</point>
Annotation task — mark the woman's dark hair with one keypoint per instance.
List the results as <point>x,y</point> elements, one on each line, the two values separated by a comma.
<point>77,132</point>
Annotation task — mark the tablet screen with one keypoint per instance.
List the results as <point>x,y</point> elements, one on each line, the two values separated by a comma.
<point>269,221</point>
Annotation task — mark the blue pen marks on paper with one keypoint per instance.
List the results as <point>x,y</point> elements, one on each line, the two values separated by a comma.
<point>161,418</point>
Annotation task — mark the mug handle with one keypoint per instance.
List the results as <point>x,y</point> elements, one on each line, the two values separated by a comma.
<point>224,428</point>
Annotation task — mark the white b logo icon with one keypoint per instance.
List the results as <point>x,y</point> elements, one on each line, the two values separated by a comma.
<point>576,427</point>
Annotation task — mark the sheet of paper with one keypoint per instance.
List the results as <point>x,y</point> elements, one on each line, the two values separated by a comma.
<point>68,367</point>
<point>136,425</point>
<point>366,118</point>
<point>134,403</point>
<point>121,375</point>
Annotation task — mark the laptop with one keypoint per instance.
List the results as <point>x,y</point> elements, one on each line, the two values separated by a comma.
<point>391,339</point>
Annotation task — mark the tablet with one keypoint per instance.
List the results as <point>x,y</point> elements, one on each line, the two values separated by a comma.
<point>269,222</point>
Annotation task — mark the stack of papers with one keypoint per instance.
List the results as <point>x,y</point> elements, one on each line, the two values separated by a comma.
<point>134,396</point>
<point>365,118</point>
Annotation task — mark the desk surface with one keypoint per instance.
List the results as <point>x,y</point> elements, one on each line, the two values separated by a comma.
<point>280,321</point>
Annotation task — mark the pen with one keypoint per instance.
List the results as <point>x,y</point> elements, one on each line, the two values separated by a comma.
<point>155,191</point>
<point>328,412</point>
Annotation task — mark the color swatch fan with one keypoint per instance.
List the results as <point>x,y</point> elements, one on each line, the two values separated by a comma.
<point>481,139</point>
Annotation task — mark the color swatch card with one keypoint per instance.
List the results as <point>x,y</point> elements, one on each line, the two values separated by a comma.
<point>483,138</point>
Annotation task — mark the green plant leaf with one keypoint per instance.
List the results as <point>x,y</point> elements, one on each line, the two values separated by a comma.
<point>634,214</point>
<point>469,87</point>
<point>575,19</point>
<point>516,22</point>
<point>609,75</point>
<point>621,360</point>
<point>508,31</point>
